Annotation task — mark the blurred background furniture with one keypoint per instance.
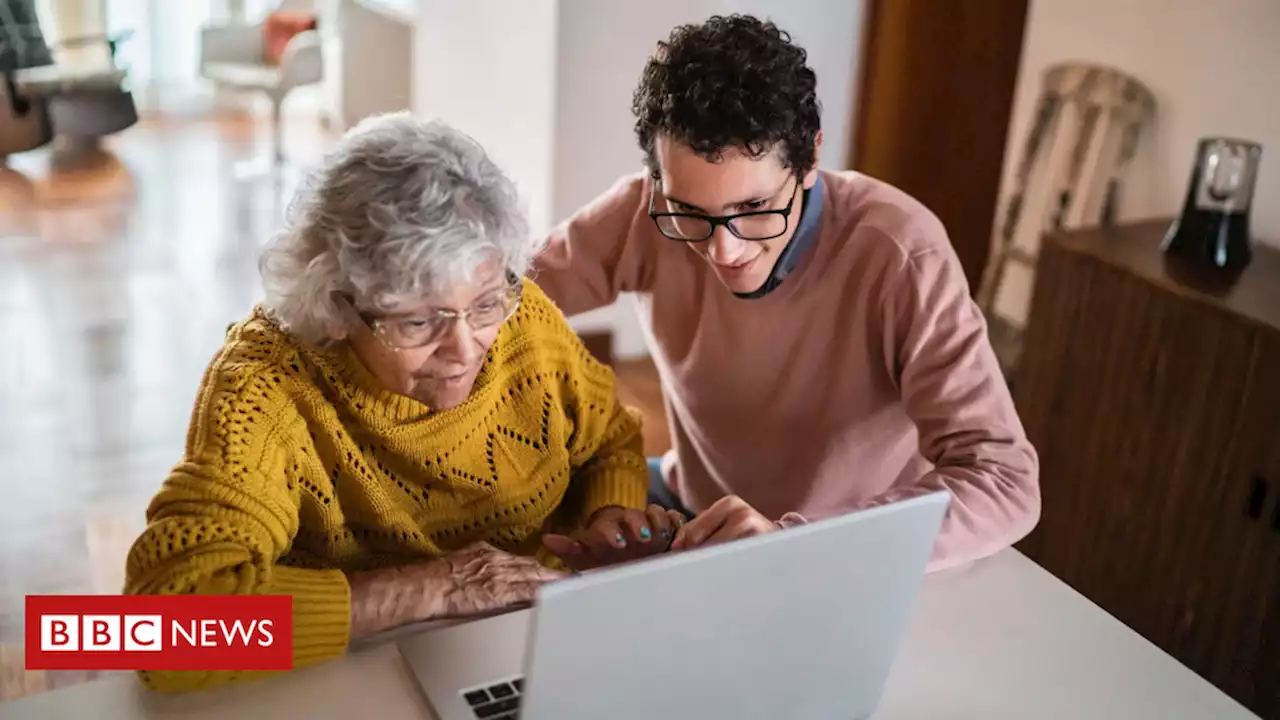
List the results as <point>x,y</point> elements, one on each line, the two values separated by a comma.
<point>86,102</point>
<point>1088,122</point>
<point>45,97</point>
<point>272,57</point>
<point>24,124</point>
<point>1153,398</point>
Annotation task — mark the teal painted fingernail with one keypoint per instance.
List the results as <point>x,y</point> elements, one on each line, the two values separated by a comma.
<point>622,542</point>
<point>645,533</point>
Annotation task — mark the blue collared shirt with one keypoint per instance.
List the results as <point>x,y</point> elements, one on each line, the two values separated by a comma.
<point>806,235</point>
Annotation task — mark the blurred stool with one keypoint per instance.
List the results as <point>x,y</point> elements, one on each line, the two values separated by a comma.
<point>83,106</point>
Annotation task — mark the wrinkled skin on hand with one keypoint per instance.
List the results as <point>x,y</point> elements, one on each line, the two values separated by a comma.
<point>475,580</point>
<point>485,578</point>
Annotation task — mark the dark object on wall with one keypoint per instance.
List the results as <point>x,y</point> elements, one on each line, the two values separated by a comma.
<point>1155,407</point>
<point>1213,230</point>
<point>933,104</point>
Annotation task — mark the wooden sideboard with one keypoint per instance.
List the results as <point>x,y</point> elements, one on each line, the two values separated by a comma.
<point>1153,398</point>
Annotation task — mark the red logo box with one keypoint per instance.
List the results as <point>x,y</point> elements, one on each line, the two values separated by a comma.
<point>159,632</point>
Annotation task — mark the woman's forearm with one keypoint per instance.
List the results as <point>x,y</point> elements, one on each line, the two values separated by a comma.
<point>479,578</point>
<point>390,597</point>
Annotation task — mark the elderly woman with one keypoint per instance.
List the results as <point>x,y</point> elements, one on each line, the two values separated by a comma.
<point>394,434</point>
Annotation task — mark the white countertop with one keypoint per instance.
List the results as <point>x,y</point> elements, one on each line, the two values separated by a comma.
<point>999,639</point>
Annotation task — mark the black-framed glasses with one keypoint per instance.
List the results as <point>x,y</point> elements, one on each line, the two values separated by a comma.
<point>411,332</point>
<point>694,227</point>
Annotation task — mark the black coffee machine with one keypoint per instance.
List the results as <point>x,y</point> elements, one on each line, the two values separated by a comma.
<point>1212,234</point>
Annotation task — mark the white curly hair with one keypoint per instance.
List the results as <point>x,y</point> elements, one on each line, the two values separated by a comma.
<point>400,208</point>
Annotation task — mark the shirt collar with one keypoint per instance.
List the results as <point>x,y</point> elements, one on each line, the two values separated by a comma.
<point>805,236</point>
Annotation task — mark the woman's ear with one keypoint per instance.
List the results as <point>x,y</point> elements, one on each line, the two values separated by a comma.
<point>342,318</point>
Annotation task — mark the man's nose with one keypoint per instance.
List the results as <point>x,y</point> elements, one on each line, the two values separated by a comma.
<point>724,247</point>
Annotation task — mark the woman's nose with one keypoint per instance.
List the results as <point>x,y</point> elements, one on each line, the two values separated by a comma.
<point>459,342</point>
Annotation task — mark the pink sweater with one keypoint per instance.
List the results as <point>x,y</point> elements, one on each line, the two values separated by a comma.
<point>866,377</point>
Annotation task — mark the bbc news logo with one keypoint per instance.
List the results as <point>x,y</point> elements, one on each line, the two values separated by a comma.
<point>159,632</point>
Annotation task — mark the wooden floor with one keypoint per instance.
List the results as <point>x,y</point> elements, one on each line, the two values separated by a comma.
<point>117,280</point>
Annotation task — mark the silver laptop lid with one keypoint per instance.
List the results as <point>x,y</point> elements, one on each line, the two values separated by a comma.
<point>798,624</point>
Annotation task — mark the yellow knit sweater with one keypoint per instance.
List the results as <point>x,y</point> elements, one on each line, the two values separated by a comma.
<point>299,468</point>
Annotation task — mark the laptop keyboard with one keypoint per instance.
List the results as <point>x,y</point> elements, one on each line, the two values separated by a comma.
<point>499,701</point>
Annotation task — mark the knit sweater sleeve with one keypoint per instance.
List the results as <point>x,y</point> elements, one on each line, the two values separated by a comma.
<point>608,456</point>
<point>226,514</point>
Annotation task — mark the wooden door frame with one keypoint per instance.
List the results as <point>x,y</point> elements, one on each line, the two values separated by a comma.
<point>899,96</point>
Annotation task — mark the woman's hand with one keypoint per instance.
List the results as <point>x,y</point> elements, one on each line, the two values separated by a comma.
<point>485,578</point>
<point>614,535</point>
<point>475,580</point>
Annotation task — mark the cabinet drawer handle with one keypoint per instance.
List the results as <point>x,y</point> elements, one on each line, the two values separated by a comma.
<point>1257,498</point>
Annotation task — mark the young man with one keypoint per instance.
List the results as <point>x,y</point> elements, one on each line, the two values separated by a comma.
<point>814,333</point>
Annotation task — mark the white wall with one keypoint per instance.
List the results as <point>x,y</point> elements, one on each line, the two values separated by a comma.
<point>368,56</point>
<point>546,85</point>
<point>830,32</point>
<point>1214,69</point>
<point>488,67</point>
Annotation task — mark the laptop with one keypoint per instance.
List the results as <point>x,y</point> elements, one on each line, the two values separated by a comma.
<point>800,624</point>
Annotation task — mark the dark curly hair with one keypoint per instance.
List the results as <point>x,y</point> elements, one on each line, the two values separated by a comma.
<point>730,82</point>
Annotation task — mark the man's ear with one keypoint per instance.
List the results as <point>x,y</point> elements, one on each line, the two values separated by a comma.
<point>811,177</point>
